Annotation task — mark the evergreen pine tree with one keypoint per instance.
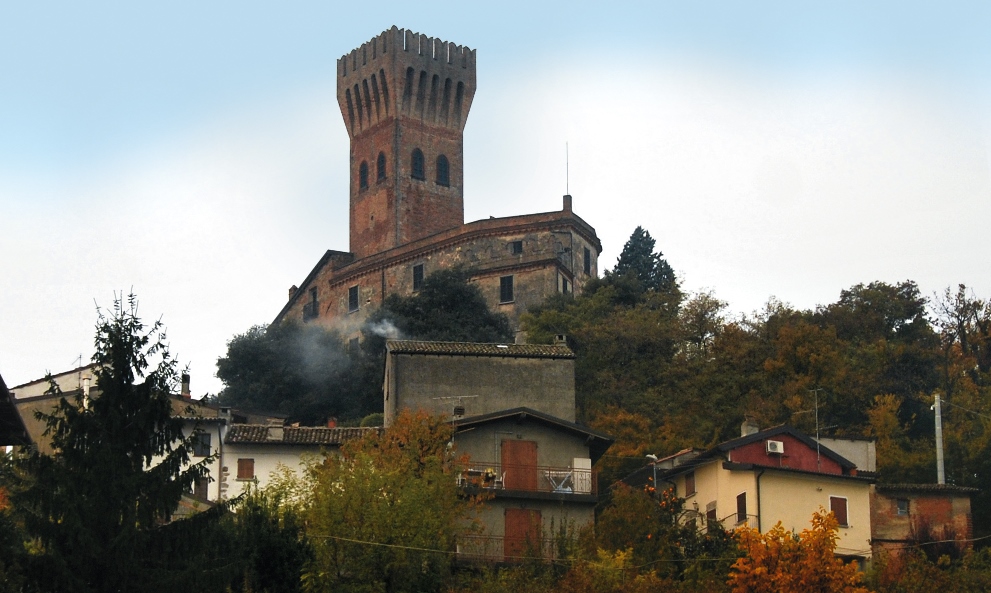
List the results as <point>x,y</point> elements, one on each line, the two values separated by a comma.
<point>639,259</point>
<point>101,503</point>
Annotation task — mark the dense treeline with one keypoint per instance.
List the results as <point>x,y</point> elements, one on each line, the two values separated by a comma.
<point>662,370</point>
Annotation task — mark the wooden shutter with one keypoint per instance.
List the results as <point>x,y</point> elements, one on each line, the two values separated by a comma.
<point>519,461</point>
<point>741,507</point>
<point>245,469</point>
<point>837,504</point>
<point>523,531</point>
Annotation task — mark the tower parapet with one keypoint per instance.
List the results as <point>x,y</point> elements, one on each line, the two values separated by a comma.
<point>405,98</point>
<point>400,72</point>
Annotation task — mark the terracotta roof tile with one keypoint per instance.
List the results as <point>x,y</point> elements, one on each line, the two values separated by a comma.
<point>479,349</point>
<point>292,435</point>
<point>949,488</point>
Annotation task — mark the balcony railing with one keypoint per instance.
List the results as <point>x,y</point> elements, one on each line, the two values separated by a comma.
<point>530,478</point>
<point>489,548</point>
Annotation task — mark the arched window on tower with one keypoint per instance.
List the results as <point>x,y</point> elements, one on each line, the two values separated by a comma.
<point>416,164</point>
<point>443,171</point>
<point>380,167</point>
<point>363,175</point>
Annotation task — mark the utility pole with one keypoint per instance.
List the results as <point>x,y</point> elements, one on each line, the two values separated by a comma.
<point>940,472</point>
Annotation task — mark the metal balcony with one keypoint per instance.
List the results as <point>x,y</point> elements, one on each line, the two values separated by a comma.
<point>529,478</point>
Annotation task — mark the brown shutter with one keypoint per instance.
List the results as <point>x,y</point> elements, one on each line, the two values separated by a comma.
<point>245,469</point>
<point>522,534</point>
<point>519,461</point>
<point>741,507</point>
<point>838,506</point>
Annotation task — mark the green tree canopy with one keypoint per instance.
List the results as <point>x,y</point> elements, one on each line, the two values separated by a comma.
<point>100,504</point>
<point>304,372</point>
<point>639,260</point>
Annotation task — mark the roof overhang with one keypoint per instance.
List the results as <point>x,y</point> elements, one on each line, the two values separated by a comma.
<point>597,442</point>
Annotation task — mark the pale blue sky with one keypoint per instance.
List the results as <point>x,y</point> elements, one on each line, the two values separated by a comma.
<point>195,151</point>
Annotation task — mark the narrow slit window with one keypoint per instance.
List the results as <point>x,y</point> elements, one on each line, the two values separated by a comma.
<point>352,299</point>
<point>380,167</point>
<point>416,165</point>
<point>363,175</point>
<point>588,262</point>
<point>417,276</point>
<point>506,289</point>
<point>443,171</point>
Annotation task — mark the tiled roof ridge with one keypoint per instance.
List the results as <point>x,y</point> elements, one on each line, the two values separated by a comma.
<point>479,349</point>
<point>304,435</point>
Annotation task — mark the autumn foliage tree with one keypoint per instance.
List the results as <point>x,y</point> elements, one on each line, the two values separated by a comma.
<point>780,561</point>
<point>385,514</point>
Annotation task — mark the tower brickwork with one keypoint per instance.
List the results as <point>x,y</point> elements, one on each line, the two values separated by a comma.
<point>405,98</point>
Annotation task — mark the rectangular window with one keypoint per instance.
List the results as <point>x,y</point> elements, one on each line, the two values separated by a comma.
<point>201,444</point>
<point>902,506</point>
<point>352,299</point>
<point>312,308</point>
<point>741,507</point>
<point>201,488</point>
<point>588,262</point>
<point>516,247</point>
<point>565,285</point>
<point>506,289</point>
<point>837,504</point>
<point>354,345</point>
<point>417,276</point>
<point>689,483</point>
<point>245,469</point>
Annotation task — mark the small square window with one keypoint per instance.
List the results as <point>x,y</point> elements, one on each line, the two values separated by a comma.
<point>417,276</point>
<point>506,289</point>
<point>245,469</point>
<point>352,299</point>
<point>516,247</point>
<point>201,444</point>
<point>837,504</point>
<point>689,483</point>
<point>902,506</point>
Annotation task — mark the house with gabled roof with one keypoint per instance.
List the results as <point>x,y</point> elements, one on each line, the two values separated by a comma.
<point>765,477</point>
<point>513,409</point>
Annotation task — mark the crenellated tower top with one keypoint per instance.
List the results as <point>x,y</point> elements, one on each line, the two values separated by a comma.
<point>405,98</point>
<point>400,72</point>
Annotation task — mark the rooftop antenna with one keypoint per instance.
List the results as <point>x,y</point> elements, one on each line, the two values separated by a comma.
<point>567,172</point>
<point>818,453</point>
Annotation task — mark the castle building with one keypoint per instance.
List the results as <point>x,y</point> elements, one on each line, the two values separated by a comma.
<point>405,99</point>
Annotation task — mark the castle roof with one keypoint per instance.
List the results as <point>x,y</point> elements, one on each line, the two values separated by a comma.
<point>479,349</point>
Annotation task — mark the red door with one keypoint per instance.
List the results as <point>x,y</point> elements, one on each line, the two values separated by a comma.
<point>522,534</point>
<point>519,461</point>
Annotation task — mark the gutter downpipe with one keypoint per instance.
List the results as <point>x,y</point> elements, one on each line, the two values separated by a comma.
<point>759,474</point>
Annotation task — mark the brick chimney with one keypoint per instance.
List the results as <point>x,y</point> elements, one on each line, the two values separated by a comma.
<point>567,203</point>
<point>185,386</point>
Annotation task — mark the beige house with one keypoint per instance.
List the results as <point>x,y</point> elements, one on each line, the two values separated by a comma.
<point>767,477</point>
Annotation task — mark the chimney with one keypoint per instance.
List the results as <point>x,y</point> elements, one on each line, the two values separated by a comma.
<point>185,386</point>
<point>332,422</point>
<point>560,340</point>
<point>749,427</point>
<point>292,291</point>
<point>567,202</point>
<point>276,433</point>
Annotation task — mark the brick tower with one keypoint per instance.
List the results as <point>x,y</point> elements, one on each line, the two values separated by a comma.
<point>405,98</point>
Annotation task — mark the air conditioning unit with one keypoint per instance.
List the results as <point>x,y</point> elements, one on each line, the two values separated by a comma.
<point>776,447</point>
